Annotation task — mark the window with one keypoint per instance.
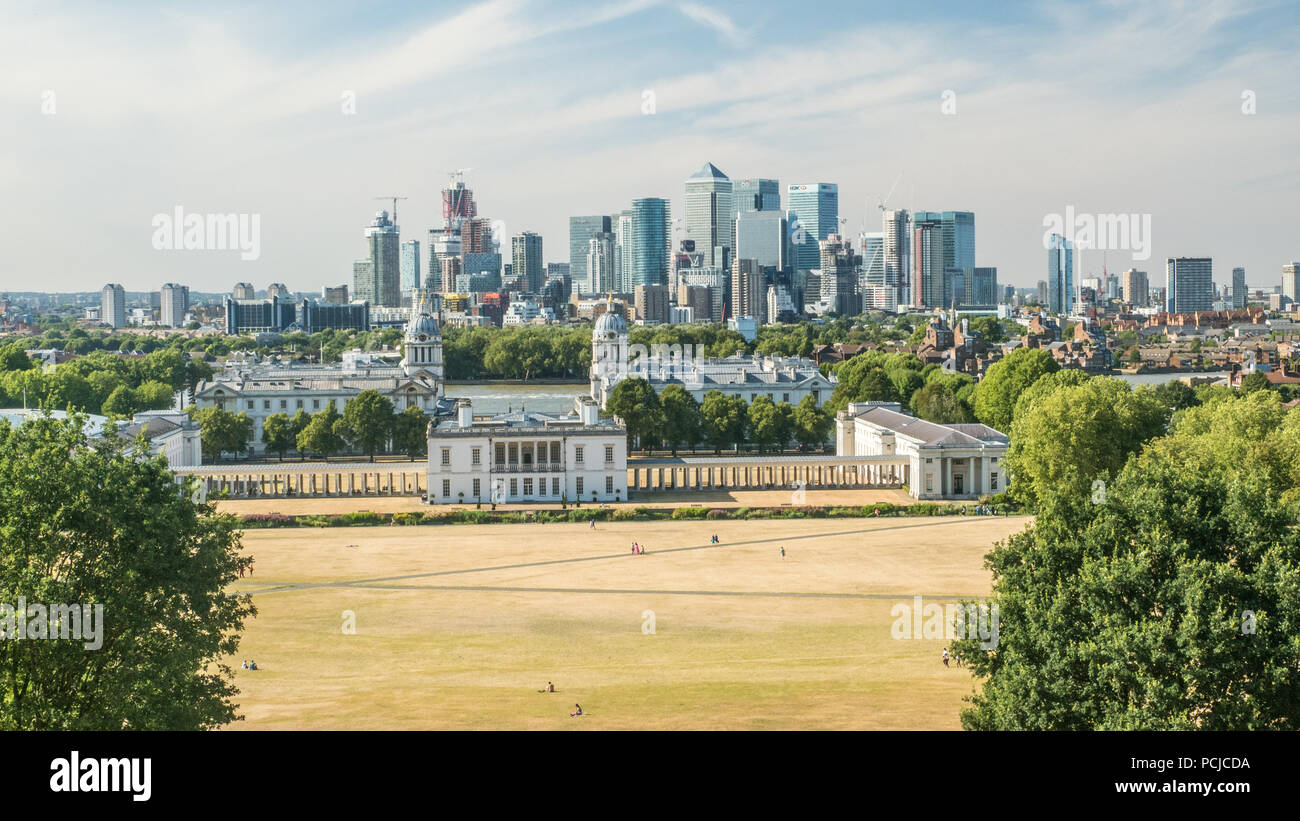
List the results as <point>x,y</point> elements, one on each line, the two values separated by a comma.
<point>555,486</point>
<point>299,403</point>
<point>555,452</point>
<point>609,453</point>
<point>446,488</point>
<point>578,485</point>
<point>478,488</point>
<point>929,484</point>
<point>816,396</point>
<point>501,453</point>
<point>528,487</point>
<point>266,404</point>
<point>609,484</point>
<point>446,457</point>
<point>785,397</point>
<point>514,487</point>
<point>577,455</point>
<point>251,404</point>
<point>315,404</point>
<point>476,457</point>
<point>541,486</point>
<point>993,481</point>
<point>284,403</point>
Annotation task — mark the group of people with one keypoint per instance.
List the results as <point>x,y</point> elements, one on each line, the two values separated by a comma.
<point>714,540</point>
<point>250,665</point>
<point>637,549</point>
<point>954,657</point>
<point>980,510</point>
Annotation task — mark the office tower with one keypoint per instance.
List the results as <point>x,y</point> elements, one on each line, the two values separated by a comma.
<point>718,283</point>
<point>699,299</point>
<point>873,258</point>
<point>338,316</point>
<point>779,306</point>
<point>930,286</point>
<point>1136,290</point>
<point>476,236</point>
<point>650,242</point>
<point>1239,290</point>
<point>599,264</point>
<point>958,251</point>
<point>1290,281</point>
<point>279,289</point>
<point>761,236</point>
<point>709,212</point>
<point>259,315</point>
<point>410,265</point>
<point>814,214</point>
<point>621,225</point>
<point>839,267</point>
<point>112,306</point>
<point>450,269</point>
<point>382,283</point>
<point>526,251</point>
<point>173,301</point>
<point>651,303</point>
<point>1189,284</point>
<point>896,231</point>
<point>1060,275</point>
<point>581,230</point>
<point>557,269</point>
<point>244,290</point>
<point>984,287</point>
<point>457,206</point>
<point>755,195</point>
<point>337,295</point>
<point>443,244</point>
<point>748,289</point>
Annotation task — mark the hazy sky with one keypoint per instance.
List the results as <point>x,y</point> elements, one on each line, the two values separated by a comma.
<point>115,113</point>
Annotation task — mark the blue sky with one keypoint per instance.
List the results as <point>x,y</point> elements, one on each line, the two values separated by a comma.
<point>1106,107</point>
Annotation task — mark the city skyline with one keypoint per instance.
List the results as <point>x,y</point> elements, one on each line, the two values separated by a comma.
<point>1050,132</point>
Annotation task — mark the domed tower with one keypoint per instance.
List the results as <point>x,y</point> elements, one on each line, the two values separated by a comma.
<point>609,352</point>
<point>423,345</point>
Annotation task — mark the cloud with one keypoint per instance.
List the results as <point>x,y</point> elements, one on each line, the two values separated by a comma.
<point>715,20</point>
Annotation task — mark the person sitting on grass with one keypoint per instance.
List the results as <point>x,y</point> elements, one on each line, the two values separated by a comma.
<point>577,711</point>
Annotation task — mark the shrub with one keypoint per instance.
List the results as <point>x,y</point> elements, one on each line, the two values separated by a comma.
<point>257,520</point>
<point>718,513</point>
<point>690,512</point>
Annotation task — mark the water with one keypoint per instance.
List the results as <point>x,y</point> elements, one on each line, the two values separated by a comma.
<point>494,399</point>
<point>1154,379</point>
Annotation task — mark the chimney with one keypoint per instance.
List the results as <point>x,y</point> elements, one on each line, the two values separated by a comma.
<point>464,414</point>
<point>588,410</point>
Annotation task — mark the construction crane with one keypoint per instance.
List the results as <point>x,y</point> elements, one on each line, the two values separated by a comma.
<point>394,199</point>
<point>458,175</point>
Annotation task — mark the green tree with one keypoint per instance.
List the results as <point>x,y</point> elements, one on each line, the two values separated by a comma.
<point>996,394</point>
<point>725,420</point>
<point>765,422</point>
<point>1254,381</point>
<point>277,434</point>
<point>683,422</point>
<point>323,434</point>
<point>155,563</point>
<point>812,425</point>
<point>937,402</point>
<point>120,404</point>
<point>222,431</point>
<point>635,402</point>
<point>300,421</point>
<point>410,432</point>
<point>368,420</point>
<point>13,357</point>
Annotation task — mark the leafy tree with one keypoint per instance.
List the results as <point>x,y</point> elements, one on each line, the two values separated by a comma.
<point>152,395</point>
<point>368,420</point>
<point>1172,605</point>
<point>410,432</point>
<point>324,433</point>
<point>635,402</point>
<point>996,395</point>
<point>277,433</point>
<point>725,420</point>
<point>300,421</point>
<point>766,423</point>
<point>937,402</point>
<point>683,422</point>
<point>1254,381</point>
<point>1176,395</point>
<point>116,536</point>
<point>14,358</point>
<point>812,425</point>
<point>120,403</point>
<point>222,431</point>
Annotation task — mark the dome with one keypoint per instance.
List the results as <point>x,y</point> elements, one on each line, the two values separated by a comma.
<point>422,327</point>
<point>611,323</point>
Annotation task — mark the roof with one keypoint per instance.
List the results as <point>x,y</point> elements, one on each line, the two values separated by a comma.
<point>709,172</point>
<point>933,434</point>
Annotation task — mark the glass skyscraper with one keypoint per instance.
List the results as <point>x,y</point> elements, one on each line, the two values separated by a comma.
<point>755,195</point>
<point>526,255</point>
<point>581,230</point>
<point>410,265</point>
<point>648,249</point>
<point>1060,275</point>
<point>761,236</point>
<point>814,214</point>
<point>1189,284</point>
<point>709,212</point>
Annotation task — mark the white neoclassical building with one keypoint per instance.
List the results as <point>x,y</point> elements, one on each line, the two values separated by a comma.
<point>961,461</point>
<point>780,378</point>
<point>261,389</point>
<point>526,456</point>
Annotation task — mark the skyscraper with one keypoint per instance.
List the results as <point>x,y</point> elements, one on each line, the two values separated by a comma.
<point>896,232</point>
<point>839,266</point>
<point>983,287</point>
<point>1135,288</point>
<point>112,306</point>
<point>1189,284</point>
<point>1060,275</point>
<point>761,236</point>
<point>1291,281</point>
<point>244,290</point>
<point>929,275</point>
<point>410,265</point>
<point>457,206</point>
<point>599,264</point>
<point>621,226</point>
<point>814,213</point>
<point>958,252</point>
<point>748,289</point>
<point>581,230</point>
<point>1238,288</point>
<point>443,244</point>
<point>526,256</point>
<point>754,195</point>
<point>709,212</point>
<point>381,282</point>
<point>174,300</point>
<point>649,247</point>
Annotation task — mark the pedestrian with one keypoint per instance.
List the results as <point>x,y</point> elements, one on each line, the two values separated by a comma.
<point>783,551</point>
<point>945,657</point>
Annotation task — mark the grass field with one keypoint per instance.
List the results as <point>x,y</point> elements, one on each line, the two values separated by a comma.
<point>460,626</point>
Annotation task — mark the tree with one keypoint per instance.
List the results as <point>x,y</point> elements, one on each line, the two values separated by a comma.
<point>411,432</point>
<point>368,420</point>
<point>13,357</point>
<point>277,433</point>
<point>152,563</point>
<point>996,394</point>
<point>683,422</point>
<point>222,431</point>
<point>937,402</point>
<point>725,420</point>
<point>1176,395</point>
<point>1170,606</point>
<point>812,425</point>
<point>120,404</point>
<point>765,422</point>
<point>324,433</point>
<point>300,421</point>
<point>635,402</point>
<point>1254,381</point>
<point>1076,435</point>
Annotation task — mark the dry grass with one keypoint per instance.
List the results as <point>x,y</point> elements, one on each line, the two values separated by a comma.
<point>459,626</point>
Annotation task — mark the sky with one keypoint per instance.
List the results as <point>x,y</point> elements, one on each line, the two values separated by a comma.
<point>1184,113</point>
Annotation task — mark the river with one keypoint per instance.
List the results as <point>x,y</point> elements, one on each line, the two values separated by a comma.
<point>493,399</point>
